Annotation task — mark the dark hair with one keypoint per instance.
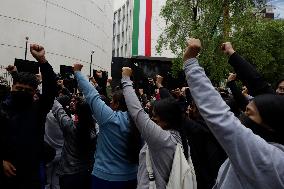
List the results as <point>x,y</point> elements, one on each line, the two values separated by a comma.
<point>169,111</point>
<point>85,126</point>
<point>65,102</point>
<point>278,82</point>
<point>26,79</point>
<point>134,138</point>
<point>118,97</point>
<point>271,110</point>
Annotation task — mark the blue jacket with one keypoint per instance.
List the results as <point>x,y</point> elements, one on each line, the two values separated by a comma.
<point>110,159</point>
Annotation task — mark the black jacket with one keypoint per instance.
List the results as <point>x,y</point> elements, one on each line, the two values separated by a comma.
<point>22,131</point>
<point>249,76</point>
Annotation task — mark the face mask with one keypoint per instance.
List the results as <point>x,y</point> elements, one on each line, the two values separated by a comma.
<point>21,99</point>
<point>257,128</point>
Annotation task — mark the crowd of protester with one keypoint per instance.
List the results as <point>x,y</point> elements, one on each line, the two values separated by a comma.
<point>196,137</point>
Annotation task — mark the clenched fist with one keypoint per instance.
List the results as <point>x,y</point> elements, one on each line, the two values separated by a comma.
<point>227,48</point>
<point>232,77</point>
<point>159,81</point>
<point>38,53</point>
<point>77,67</point>
<point>11,68</point>
<point>126,71</point>
<point>193,48</point>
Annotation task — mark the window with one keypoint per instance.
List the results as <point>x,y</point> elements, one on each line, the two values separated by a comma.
<point>123,11</point>
<point>113,43</point>
<point>121,51</point>
<point>119,14</point>
<point>122,37</point>
<point>118,40</point>
<point>118,27</point>
<point>114,29</point>
<point>113,53</point>
<point>126,50</point>
<point>115,15</point>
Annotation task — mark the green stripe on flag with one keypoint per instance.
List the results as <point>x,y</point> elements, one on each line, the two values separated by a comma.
<point>135,34</point>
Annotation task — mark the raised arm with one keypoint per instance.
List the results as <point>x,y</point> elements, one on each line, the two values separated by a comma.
<point>49,85</point>
<point>248,153</point>
<point>65,121</point>
<point>246,72</point>
<point>164,92</point>
<point>241,100</point>
<point>100,110</point>
<point>152,133</point>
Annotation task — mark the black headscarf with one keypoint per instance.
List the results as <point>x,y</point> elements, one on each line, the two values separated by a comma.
<point>271,110</point>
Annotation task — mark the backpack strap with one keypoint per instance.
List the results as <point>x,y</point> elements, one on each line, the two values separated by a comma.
<point>151,176</point>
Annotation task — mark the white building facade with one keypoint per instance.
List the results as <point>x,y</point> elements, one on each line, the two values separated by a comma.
<point>68,29</point>
<point>126,30</point>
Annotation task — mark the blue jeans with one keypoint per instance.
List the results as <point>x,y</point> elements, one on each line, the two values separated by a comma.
<point>98,183</point>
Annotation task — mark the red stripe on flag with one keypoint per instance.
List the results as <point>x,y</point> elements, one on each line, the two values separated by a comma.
<point>148,28</point>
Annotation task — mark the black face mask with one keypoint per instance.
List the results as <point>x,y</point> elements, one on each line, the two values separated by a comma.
<point>257,129</point>
<point>21,99</point>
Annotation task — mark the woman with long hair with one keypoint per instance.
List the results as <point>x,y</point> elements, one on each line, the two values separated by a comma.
<point>78,150</point>
<point>162,133</point>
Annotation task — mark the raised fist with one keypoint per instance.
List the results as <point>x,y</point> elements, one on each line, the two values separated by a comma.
<point>77,67</point>
<point>126,71</point>
<point>60,83</point>
<point>38,53</point>
<point>193,49</point>
<point>227,48</point>
<point>159,81</point>
<point>232,77</point>
<point>11,68</point>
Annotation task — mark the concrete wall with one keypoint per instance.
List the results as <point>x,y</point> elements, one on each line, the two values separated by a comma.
<point>68,29</point>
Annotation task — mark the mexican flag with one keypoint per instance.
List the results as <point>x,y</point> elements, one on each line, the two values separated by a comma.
<point>142,26</point>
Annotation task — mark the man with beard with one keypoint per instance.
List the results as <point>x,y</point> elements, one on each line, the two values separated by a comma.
<point>22,125</point>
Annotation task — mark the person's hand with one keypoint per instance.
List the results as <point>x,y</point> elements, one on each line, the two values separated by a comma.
<point>60,83</point>
<point>11,68</point>
<point>126,71</point>
<point>38,53</point>
<point>232,77</point>
<point>245,91</point>
<point>9,169</point>
<point>109,80</point>
<point>227,48</point>
<point>159,81</point>
<point>77,67</point>
<point>193,49</point>
<point>93,80</point>
<point>141,92</point>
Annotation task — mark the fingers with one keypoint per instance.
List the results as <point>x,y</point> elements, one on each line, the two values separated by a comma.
<point>126,71</point>
<point>9,169</point>
<point>36,47</point>
<point>77,67</point>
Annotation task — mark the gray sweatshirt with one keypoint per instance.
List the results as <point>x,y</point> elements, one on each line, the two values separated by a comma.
<point>73,160</point>
<point>161,143</point>
<point>252,162</point>
<point>53,134</point>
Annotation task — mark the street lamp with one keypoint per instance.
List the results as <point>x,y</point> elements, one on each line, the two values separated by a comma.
<point>26,50</point>
<point>92,52</point>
